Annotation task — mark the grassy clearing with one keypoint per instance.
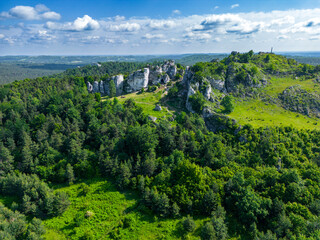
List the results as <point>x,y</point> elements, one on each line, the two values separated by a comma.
<point>260,114</point>
<point>148,101</point>
<point>116,216</point>
<point>278,85</point>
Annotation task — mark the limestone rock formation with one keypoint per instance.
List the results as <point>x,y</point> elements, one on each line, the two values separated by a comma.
<point>138,80</point>
<point>118,82</point>
<point>89,87</point>
<point>101,87</point>
<point>170,68</point>
<point>95,87</point>
<point>165,79</point>
<point>155,75</point>
<point>218,84</point>
<point>191,91</point>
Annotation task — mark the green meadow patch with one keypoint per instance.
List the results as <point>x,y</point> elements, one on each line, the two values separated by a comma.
<point>99,211</point>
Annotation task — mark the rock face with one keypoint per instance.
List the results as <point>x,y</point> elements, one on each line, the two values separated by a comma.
<point>296,99</point>
<point>191,91</point>
<point>165,79</point>
<point>95,87</point>
<point>218,84</point>
<point>118,82</point>
<point>207,93</point>
<point>89,87</point>
<point>170,68</point>
<point>101,87</point>
<point>155,75</point>
<point>138,80</point>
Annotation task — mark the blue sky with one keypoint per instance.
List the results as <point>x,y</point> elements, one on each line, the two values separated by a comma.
<point>68,27</point>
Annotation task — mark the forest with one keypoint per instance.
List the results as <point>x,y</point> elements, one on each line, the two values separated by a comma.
<point>245,182</point>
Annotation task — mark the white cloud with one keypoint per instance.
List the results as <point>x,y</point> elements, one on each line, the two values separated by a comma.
<point>235,6</point>
<point>125,27</point>
<point>283,21</point>
<point>1,36</point>
<point>216,7</point>
<point>162,24</point>
<point>80,24</point>
<point>197,36</point>
<point>119,18</point>
<point>153,36</point>
<point>219,32</point>
<point>228,23</point>
<point>39,12</point>
<point>51,16</point>
<point>176,12</point>
<point>41,8</point>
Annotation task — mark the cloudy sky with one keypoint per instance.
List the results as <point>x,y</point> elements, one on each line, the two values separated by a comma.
<point>121,27</point>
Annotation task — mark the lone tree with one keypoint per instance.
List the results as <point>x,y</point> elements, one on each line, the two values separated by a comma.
<point>228,103</point>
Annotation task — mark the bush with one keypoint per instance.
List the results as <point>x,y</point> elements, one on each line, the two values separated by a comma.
<point>197,102</point>
<point>188,224</point>
<point>228,103</point>
<point>208,232</point>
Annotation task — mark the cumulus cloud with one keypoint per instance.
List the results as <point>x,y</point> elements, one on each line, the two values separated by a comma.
<point>235,6</point>
<point>39,12</point>
<point>42,35</point>
<point>162,24</point>
<point>1,36</point>
<point>228,23</point>
<point>283,21</point>
<point>86,23</point>
<point>125,27</point>
<point>220,32</point>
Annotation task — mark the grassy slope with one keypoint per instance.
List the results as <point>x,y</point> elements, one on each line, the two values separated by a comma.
<point>110,208</point>
<point>148,101</point>
<point>260,114</point>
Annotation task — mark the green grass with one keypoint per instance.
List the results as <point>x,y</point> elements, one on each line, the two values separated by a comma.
<point>260,114</point>
<point>110,209</point>
<point>278,85</point>
<point>148,101</point>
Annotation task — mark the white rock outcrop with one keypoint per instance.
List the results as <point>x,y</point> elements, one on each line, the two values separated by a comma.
<point>95,87</point>
<point>138,80</point>
<point>89,87</point>
<point>118,82</point>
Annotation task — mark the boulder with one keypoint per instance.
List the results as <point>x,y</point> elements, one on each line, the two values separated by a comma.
<point>153,119</point>
<point>138,80</point>
<point>158,108</point>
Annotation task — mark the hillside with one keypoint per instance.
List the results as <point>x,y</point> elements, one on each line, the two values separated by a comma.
<point>226,149</point>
